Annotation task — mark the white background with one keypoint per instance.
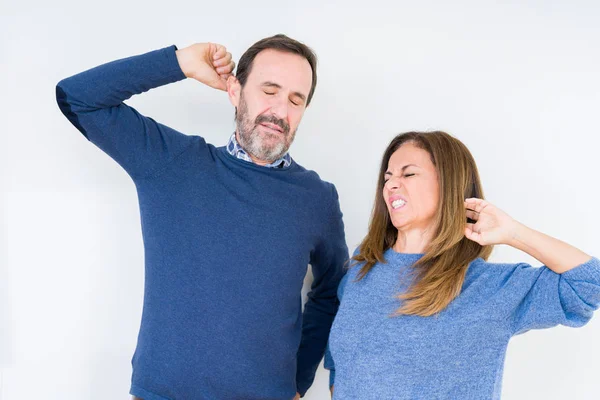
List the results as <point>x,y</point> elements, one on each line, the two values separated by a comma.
<point>517,82</point>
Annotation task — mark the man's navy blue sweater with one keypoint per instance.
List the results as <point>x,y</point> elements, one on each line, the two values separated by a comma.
<point>227,244</point>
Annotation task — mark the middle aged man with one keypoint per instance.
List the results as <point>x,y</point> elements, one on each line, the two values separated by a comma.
<point>228,231</point>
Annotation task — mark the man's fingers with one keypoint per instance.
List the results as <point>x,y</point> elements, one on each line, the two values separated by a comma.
<point>222,61</point>
<point>226,69</point>
<point>219,51</point>
<point>220,84</point>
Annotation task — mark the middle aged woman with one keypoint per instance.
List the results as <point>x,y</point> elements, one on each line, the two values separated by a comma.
<point>423,315</point>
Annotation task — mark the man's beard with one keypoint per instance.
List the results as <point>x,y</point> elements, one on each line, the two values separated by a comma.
<point>261,145</point>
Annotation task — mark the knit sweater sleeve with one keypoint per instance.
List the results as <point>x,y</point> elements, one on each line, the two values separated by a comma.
<point>327,261</point>
<point>328,362</point>
<point>93,101</point>
<point>539,298</point>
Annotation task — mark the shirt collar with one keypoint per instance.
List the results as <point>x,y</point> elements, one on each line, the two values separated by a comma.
<point>234,148</point>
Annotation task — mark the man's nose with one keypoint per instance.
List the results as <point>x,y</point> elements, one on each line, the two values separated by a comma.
<point>279,108</point>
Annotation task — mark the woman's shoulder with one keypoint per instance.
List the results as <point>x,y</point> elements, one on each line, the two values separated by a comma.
<point>488,270</point>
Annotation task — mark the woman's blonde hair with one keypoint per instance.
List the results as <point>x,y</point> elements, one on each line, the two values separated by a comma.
<point>438,276</point>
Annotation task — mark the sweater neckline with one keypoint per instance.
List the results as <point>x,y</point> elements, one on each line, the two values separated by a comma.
<point>226,156</point>
<point>403,258</point>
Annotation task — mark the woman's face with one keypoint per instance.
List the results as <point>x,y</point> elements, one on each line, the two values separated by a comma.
<point>411,189</point>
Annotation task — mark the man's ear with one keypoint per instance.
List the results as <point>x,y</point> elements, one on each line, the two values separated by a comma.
<point>234,90</point>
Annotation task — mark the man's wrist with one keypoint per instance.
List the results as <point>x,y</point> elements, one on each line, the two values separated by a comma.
<point>183,60</point>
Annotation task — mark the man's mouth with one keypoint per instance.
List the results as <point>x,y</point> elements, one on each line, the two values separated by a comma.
<point>272,128</point>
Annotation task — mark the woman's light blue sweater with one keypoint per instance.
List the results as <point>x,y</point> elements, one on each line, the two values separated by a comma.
<point>458,354</point>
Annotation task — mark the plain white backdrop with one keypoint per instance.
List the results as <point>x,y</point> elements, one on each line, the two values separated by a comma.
<point>517,82</point>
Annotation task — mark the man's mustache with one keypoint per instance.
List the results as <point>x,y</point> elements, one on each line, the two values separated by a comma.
<point>273,120</point>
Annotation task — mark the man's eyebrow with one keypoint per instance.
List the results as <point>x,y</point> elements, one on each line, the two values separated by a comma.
<point>271,84</point>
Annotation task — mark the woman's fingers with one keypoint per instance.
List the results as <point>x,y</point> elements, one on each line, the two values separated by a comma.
<point>472,215</point>
<point>476,205</point>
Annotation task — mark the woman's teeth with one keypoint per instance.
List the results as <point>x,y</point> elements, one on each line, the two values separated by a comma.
<point>398,203</point>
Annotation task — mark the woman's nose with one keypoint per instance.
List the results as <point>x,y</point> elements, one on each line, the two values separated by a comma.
<point>392,184</point>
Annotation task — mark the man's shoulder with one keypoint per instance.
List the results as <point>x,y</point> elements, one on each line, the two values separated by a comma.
<point>318,184</point>
<point>313,176</point>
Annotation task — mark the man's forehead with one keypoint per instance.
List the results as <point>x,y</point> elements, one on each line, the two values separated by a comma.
<point>283,68</point>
